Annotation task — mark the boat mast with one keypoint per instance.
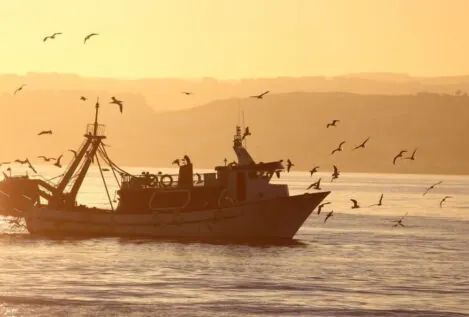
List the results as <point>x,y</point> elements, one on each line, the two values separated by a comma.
<point>94,138</point>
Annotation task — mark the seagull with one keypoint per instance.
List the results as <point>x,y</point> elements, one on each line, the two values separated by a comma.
<point>322,205</point>
<point>444,199</point>
<point>332,124</point>
<point>330,214</point>
<point>83,98</point>
<point>315,185</point>
<point>380,203</point>
<point>117,102</point>
<point>46,159</point>
<point>398,156</point>
<point>361,145</point>
<point>289,165</point>
<point>19,89</point>
<point>51,36</point>
<point>105,169</point>
<point>399,221</point>
<point>57,163</point>
<point>31,167</point>
<point>339,149</point>
<point>21,162</point>
<point>314,170</point>
<point>74,152</point>
<point>187,159</point>
<point>89,36</point>
<point>246,133</point>
<point>355,204</point>
<point>45,132</point>
<point>177,162</point>
<point>431,187</point>
<point>335,173</point>
<point>261,95</point>
<point>187,93</point>
<point>412,157</point>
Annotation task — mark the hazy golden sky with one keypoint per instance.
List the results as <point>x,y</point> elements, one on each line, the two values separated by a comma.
<point>235,38</point>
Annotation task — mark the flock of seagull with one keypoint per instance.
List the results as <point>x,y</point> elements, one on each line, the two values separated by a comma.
<point>335,174</point>
<point>316,185</point>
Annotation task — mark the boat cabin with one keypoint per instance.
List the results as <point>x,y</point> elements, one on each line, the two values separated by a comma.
<point>235,183</point>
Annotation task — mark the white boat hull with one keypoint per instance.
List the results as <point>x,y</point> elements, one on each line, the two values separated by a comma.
<point>278,218</point>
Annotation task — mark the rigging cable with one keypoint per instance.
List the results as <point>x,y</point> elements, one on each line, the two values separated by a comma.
<point>104,182</point>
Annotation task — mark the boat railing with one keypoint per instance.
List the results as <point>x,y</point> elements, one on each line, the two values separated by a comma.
<point>147,180</point>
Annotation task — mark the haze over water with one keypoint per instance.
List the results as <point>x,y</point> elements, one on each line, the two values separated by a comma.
<point>354,265</point>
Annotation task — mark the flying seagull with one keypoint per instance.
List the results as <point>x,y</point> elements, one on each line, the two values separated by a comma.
<point>355,204</point>
<point>51,36</point>
<point>187,93</point>
<point>314,170</point>
<point>289,165</point>
<point>444,199</point>
<point>330,214</point>
<point>315,185</point>
<point>89,36</point>
<point>19,89</point>
<point>177,162</point>
<point>362,145</point>
<point>399,221</point>
<point>431,187</point>
<point>74,152</point>
<point>321,206</point>
<point>46,159</point>
<point>117,102</point>
<point>57,163</point>
<point>412,157</point>
<point>21,162</point>
<point>261,95</point>
<point>83,98</point>
<point>45,132</point>
<point>332,124</point>
<point>380,203</point>
<point>339,148</point>
<point>398,156</point>
<point>335,173</point>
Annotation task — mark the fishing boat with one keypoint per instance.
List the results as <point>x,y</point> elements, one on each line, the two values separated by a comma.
<point>236,201</point>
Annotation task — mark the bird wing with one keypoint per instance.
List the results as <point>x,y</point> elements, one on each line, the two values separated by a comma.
<point>395,158</point>
<point>354,201</point>
<point>264,93</point>
<point>59,158</point>
<point>381,198</point>
<point>45,39</point>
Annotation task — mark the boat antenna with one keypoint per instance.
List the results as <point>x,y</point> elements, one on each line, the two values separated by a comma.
<point>243,127</point>
<point>96,118</point>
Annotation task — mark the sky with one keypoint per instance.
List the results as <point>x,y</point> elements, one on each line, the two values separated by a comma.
<point>231,39</point>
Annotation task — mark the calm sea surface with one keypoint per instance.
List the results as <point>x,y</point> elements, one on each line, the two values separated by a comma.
<point>356,264</point>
